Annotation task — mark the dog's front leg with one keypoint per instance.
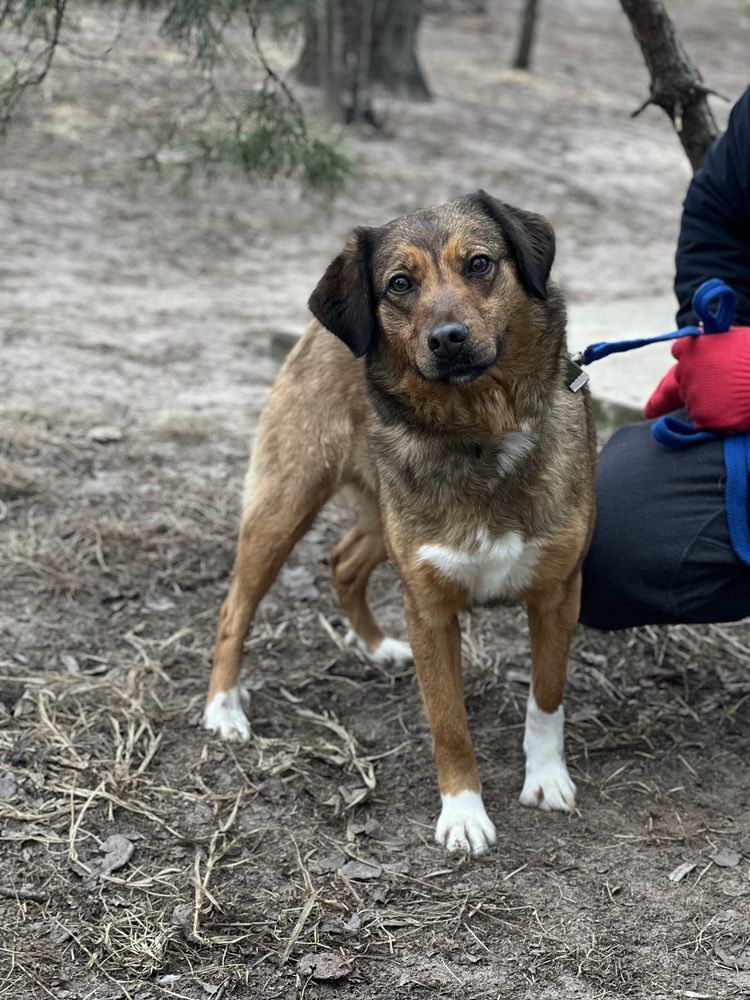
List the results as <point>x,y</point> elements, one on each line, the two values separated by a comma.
<point>436,645</point>
<point>552,617</point>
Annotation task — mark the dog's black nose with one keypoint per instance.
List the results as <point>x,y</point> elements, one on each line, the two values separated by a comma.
<point>447,340</point>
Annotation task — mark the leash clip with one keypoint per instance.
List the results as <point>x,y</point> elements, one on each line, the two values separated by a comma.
<point>577,377</point>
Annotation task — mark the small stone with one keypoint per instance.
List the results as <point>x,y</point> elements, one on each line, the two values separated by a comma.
<point>104,434</point>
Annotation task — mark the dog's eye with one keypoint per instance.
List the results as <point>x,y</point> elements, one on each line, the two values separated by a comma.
<point>479,265</point>
<point>400,284</point>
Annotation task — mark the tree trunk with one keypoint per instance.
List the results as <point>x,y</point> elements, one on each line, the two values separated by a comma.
<point>375,43</point>
<point>307,69</point>
<point>676,85</point>
<point>526,38</point>
<point>394,57</point>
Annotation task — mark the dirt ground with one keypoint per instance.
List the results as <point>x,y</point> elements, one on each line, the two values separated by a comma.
<point>128,304</point>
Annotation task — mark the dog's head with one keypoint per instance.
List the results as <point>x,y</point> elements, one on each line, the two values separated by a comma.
<point>438,290</point>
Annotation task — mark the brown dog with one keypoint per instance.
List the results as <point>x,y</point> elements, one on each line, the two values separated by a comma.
<point>472,460</point>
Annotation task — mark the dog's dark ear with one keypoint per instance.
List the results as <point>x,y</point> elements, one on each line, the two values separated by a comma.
<point>531,240</point>
<point>343,300</point>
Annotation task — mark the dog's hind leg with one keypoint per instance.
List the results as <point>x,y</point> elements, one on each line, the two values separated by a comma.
<point>308,434</point>
<point>275,517</point>
<point>352,562</point>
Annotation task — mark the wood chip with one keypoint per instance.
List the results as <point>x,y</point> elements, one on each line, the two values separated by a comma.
<point>104,434</point>
<point>681,871</point>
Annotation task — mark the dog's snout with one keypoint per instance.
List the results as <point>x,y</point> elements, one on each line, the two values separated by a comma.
<point>447,340</point>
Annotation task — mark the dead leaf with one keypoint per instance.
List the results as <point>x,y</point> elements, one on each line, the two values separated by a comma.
<point>328,862</point>
<point>70,663</point>
<point>725,858</point>
<point>353,796</point>
<point>327,966</point>
<point>331,927</point>
<point>361,871</point>
<point>370,828</point>
<point>681,871</point>
<point>117,851</point>
<point>8,787</point>
<point>182,916</point>
<point>736,957</point>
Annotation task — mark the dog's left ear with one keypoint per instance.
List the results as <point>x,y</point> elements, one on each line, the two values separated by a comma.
<point>531,240</point>
<point>343,300</point>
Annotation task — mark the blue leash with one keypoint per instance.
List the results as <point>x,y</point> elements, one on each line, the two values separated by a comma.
<point>713,303</point>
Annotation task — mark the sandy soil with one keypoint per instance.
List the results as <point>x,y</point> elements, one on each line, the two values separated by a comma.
<point>130,304</point>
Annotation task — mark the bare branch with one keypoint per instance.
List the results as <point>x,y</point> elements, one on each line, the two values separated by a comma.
<point>676,84</point>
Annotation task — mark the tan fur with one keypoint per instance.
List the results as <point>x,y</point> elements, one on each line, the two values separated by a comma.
<point>425,459</point>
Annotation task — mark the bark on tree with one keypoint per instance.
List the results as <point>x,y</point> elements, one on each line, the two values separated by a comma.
<point>349,46</point>
<point>676,84</point>
<point>526,38</point>
<point>456,6</point>
<point>394,42</point>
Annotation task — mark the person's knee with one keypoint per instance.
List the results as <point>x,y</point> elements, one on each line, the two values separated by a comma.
<point>621,557</point>
<point>603,605</point>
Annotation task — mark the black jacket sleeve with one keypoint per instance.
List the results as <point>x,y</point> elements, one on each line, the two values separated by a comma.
<point>715,232</point>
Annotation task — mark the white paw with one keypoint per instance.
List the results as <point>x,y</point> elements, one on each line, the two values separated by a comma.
<point>549,786</point>
<point>464,826</point>
<point>224,715</point>
<point>547,783</point>
<point>389,650</point>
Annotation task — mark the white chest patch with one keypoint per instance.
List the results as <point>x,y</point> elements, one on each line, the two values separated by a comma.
<point>497,568</point>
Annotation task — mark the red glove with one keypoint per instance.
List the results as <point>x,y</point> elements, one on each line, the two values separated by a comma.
<point>711,378</point>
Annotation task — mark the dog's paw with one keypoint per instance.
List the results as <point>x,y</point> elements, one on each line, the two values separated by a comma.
<point>224,715</point>
<point>464,826</point>
<point>392,651</point>
<point>549,786</point>
<point>389,650</point>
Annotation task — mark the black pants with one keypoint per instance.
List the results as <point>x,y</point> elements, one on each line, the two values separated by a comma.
<point>661,552</point>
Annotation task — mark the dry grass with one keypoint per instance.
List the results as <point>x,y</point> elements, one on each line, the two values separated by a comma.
<point>241,861</point>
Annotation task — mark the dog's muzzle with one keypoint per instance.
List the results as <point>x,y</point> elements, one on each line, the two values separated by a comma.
<point>456,363</point>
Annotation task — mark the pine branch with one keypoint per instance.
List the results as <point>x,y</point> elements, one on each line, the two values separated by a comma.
<point>17,81</point>
<point>264,135</point>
